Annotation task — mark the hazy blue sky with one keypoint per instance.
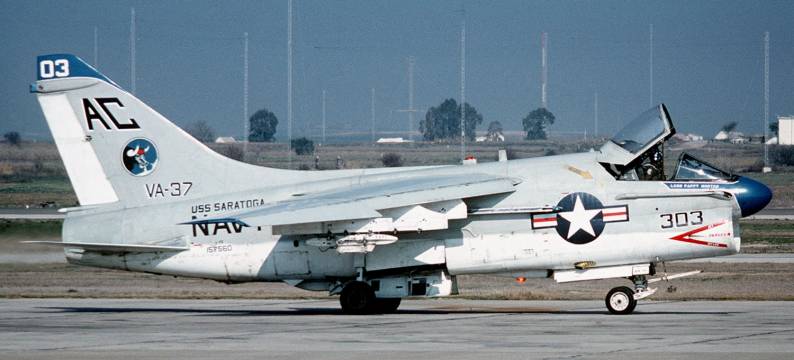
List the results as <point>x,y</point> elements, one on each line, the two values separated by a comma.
<point>707,64</point>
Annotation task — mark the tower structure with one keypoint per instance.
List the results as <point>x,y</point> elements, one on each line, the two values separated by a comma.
<point>132,50</point>
<point>544,78</point>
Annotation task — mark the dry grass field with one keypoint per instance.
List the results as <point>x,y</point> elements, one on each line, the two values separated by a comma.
<point>744,281</point>
<point>32,173</point>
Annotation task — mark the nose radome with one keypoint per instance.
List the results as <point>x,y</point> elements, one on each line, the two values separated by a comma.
<point>752,195</point>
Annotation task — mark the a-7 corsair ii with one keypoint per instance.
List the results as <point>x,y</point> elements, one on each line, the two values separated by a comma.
<point>154,199</point>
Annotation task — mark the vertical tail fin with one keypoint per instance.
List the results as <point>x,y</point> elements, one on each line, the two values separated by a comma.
<point>116,148</point>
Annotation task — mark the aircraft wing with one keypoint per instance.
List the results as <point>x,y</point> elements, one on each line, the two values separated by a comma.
<point>368,200</point>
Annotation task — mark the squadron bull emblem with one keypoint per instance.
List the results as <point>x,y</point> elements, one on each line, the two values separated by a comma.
<point>140,157</point>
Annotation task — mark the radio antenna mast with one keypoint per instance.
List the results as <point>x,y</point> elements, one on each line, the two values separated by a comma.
<point>463,88</point>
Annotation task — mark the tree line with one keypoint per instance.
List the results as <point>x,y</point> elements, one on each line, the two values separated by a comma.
<point>441,122</point>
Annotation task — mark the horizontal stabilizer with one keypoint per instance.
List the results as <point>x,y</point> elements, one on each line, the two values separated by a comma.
<point>113,248</point>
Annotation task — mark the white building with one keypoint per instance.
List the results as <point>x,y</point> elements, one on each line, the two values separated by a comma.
<point>733,136</point>
<point>395,140</point>
<point>225,140</point>
<point>684,137</point>
<point>785,130</point>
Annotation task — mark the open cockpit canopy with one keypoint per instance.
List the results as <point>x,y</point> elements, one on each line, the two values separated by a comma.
<point>636,152</point>
<point>645,132</point>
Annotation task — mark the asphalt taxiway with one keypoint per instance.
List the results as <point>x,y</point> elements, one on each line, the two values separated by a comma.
<point>432,329</point>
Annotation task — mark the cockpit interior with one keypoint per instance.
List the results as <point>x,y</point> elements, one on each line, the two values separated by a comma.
<point>636,153</point>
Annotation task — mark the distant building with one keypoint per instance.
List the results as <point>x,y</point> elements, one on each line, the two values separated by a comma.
<point>785,130</point>
<point>395,140</point>
<point>687,137</point>
<point>225,140</point>
<point>732,136</point>
<point>496,137</point>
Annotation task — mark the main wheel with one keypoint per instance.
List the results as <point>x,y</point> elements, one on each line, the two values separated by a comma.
<point>357,298</point>
<point>620,301</point>
<point>387,305</point>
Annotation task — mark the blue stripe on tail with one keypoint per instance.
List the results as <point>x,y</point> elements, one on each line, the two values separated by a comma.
<point>57,66</point>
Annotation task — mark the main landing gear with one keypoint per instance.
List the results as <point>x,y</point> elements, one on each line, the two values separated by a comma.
<point>358,298</point>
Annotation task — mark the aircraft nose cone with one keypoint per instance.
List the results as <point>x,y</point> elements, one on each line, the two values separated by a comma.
<point>752,195</point>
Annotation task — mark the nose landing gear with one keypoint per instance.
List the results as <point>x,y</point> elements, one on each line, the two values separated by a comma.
<point>622,300</point>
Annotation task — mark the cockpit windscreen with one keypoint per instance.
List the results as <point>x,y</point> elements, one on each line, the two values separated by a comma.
<point>691,168</point>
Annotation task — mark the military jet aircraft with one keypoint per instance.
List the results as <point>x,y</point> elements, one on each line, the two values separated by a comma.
<point>153,199</point>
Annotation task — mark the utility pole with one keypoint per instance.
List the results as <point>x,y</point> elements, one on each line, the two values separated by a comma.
<point>246,124</point>
<point>463,88</point>
<point>323,133</point>
<point>410,110</point>
<point>544,70</point>
<point>595,115</point>
<point>650,66</point>
<point>372,114</point>
<point>132,50</point>
<point>96,47</point>
<point>766,101</point>
<point>289,84</point>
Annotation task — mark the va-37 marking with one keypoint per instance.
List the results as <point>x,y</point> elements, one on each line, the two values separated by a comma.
<point>171,189</point>
<point>374,236</point>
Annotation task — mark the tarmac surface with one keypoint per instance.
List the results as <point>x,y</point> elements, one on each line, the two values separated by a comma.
<point>421,329</point>
<point>774,258</point>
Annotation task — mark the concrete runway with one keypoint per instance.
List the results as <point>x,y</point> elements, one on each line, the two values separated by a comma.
<point>426,329</point>
<point>774,258</point>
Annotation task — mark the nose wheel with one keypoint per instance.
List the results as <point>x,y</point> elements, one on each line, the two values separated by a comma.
<point>620,300</point>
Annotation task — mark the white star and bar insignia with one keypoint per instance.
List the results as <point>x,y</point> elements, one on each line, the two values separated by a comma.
<point>581,218</point>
